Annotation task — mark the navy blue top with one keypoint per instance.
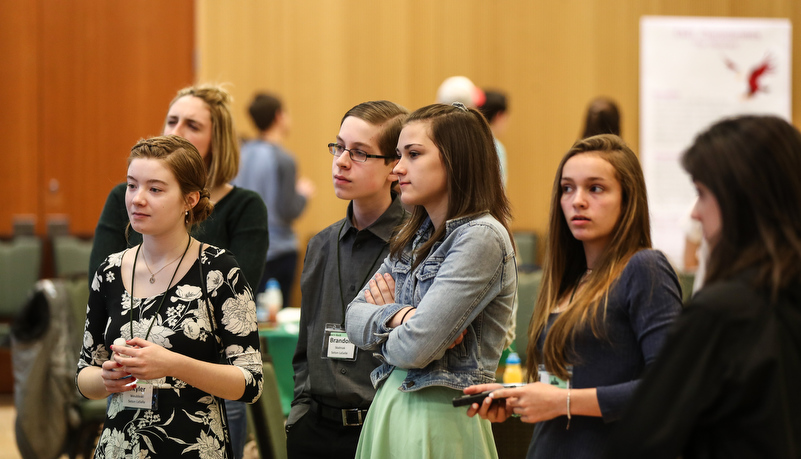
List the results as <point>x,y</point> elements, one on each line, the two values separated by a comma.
<point>643,303</point>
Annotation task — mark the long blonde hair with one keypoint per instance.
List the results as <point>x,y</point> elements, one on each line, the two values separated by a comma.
<point>565,261</point>
<point>222,160</point>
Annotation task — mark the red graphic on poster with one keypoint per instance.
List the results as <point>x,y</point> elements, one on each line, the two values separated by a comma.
<point>755,75</point>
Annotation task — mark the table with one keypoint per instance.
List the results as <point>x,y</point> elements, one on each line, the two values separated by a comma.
<point>281,342</point>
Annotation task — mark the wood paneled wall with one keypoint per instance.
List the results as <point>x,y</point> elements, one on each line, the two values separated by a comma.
<point>82,81</point>
<point>324,56</point>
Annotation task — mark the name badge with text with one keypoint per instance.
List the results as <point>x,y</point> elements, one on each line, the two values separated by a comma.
<point>546,377</point>
<point>336,344</point>
<point>143,397</point>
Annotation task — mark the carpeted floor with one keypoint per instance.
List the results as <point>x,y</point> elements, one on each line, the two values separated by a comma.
<point>8,446</point>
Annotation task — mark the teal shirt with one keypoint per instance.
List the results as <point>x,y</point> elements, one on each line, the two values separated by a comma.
<point>238,224</point>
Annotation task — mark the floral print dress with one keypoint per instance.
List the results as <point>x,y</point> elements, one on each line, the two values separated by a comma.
<point>187,421</point>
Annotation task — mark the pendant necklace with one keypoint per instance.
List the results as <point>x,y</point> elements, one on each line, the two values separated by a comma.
<point>164,295</point>
<point>153,274</point>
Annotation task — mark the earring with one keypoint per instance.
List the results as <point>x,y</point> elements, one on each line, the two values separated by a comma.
<point>186,215</point>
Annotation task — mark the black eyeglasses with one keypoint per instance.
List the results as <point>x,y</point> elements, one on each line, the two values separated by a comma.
<point>355,155</point>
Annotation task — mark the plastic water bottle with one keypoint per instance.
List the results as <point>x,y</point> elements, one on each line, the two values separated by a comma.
<point>512,374</point>
<point>273,299</point>
<point>262,313</point>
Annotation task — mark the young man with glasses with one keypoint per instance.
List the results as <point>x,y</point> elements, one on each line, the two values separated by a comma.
<point>333,390</point>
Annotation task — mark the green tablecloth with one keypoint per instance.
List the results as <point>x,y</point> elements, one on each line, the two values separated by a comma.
<point>281,343</point>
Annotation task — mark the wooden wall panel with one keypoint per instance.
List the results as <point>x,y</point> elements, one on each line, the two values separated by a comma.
<point>83,81</point>
<point>109,70</point>
<point>18,126</point>
<point>324,56</point>
<point>87,79</point>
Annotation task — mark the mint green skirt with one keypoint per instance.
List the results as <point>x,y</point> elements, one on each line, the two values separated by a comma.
<point>422,424</point>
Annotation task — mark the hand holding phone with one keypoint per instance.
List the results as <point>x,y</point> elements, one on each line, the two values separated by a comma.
<point>465,400</point>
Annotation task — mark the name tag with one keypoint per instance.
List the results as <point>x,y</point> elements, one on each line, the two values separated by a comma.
<point>142,397</point>
<point>336,345</point>
<point>546,377</point>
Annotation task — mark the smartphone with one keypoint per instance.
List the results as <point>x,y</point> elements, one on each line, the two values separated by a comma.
<point>470,399</point>
<point>478,398</point>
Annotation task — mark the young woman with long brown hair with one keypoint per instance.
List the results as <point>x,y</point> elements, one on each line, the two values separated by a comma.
<point>435,316</point>
<point>604,307</point>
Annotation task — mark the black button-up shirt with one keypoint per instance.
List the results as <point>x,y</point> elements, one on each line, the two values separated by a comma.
<point>337,383</point>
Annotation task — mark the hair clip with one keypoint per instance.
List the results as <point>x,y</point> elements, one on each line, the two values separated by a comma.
<point>460,106</point>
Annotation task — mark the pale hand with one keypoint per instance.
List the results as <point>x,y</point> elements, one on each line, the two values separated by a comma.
<point>489,409</point>
<point>305,187</point>
<point>144,360</point>
<point>459,339</point>
<point>381,291</point>
<point>534,402</point>
<point>114,378</point>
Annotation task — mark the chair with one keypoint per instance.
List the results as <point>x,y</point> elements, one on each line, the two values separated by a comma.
<point>91,413</point>
<point>526,243</point>
<point>20,262</point>
<point>20,266</point>
<point>686,280</point>
<point>43,351</point>
<point>71,256</point>
<point>266,418</point>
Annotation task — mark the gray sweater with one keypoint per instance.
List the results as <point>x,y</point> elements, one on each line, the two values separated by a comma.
<point>269,170</point>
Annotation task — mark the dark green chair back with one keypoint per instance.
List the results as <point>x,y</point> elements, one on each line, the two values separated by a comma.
<point>20,266</point>
<point>528,287</point>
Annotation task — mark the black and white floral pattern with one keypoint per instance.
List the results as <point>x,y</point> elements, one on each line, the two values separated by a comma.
<point>187,421</point>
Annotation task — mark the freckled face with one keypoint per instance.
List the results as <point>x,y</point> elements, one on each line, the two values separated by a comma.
<point>421,173</point>
<point>153,198</point>
<point>707,211</point>
<point>189,117</point>
<point>591,198</point>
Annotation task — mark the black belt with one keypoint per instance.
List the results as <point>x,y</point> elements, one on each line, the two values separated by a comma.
<point>347,416</point>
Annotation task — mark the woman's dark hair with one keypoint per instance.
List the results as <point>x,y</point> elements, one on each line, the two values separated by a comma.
<point>467,151</point>
<point>751,164</point>
<point>264,109</point>
<point>603,117</point>
<point>494,104</point>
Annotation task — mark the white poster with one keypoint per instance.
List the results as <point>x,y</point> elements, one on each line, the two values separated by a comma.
<point>693,72</point>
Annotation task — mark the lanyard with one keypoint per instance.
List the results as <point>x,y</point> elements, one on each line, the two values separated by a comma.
<point>164,295</point>
<point>339,271</point>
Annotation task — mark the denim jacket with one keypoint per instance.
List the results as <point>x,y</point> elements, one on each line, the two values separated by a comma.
<point>468,281</point>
